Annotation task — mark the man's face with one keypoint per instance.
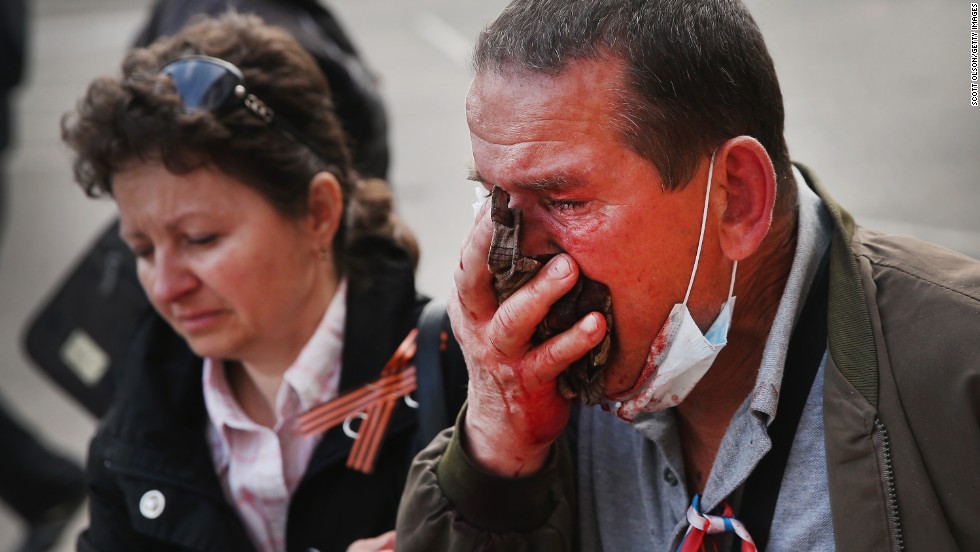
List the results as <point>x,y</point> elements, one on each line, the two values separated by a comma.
<point>550,141</point>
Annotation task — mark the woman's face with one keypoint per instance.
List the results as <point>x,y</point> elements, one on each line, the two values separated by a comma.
<point>226,270</point>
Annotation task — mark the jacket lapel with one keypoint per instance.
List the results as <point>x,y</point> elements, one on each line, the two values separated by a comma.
<point>856,439</point>
<point>850,334</point>
<point>382,307</point>
<point>158,446</point>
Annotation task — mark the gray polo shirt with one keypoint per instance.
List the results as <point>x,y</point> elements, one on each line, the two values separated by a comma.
<point>631,476</point>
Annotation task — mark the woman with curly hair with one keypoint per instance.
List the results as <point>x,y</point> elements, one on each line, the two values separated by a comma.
<point>281,282</point>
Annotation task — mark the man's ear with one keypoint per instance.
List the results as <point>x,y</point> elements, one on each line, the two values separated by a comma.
<point>326,209</point>
<point>744,172</point>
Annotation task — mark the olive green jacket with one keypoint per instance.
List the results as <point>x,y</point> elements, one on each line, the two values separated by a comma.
<point>901,419</point>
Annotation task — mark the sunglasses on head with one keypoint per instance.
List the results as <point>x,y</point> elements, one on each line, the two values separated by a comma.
<point>211,84</point>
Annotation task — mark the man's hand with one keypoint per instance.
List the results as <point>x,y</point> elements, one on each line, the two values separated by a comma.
<point>382,543</point>
<point>515,411</point>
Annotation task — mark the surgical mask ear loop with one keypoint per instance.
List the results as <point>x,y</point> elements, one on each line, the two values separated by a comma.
<point>704,220</point>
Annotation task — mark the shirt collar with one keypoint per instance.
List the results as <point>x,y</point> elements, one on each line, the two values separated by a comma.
<point>746,439</point>
<point>313,378</point>
<point>814,230</point>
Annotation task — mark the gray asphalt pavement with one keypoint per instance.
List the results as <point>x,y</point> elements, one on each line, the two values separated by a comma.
<point>877,96</point>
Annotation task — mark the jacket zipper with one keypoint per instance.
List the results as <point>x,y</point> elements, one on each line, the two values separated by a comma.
<point>888,481</point>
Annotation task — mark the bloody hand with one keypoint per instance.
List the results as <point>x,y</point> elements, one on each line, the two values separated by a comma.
<point>582,380</point>
<point>515,409</point>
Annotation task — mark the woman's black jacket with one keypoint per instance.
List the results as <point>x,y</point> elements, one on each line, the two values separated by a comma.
<point>154,439</point>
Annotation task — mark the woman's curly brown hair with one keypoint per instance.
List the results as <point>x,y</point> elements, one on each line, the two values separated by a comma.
<point>139,118</point>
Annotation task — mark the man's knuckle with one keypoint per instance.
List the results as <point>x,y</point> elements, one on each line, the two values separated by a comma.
<point>494,348</point>
<point>538,285</point>
<point>507,318</point>
<point>553,353</point>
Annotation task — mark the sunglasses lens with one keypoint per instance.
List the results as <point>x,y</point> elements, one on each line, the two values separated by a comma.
<point>201,83</point>
<point>208,84</point>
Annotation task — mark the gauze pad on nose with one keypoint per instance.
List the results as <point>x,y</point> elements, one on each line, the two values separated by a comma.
<point>511,270</point>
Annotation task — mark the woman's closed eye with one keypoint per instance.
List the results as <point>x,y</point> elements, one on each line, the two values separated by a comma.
<point>142,252</point>
<point>141,249</point>
<point>201,239</point>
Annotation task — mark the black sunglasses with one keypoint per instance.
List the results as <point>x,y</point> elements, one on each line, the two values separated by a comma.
<point>212,84</point>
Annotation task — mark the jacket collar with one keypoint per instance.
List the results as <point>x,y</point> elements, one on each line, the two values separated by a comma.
<point>160,405</point>
<point>850,334</point>
<point>381,309</point>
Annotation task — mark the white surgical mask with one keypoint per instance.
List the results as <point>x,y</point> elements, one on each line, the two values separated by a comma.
<point>680,355</point>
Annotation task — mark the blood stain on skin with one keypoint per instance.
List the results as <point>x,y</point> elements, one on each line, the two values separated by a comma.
<point>650,367</point>
<point>521,462</point>
<point>462,305</point>
<point>524,397</point>
<point>503,394</point>
<point>525,400</point>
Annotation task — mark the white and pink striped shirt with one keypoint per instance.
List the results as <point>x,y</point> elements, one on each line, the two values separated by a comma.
<point>260,467</point>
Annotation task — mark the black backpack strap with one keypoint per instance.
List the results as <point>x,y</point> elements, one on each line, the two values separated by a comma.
<point>807,346</point>
<point>431,392</point>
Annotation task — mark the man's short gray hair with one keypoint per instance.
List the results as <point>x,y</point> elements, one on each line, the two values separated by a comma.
<point>697,71</point>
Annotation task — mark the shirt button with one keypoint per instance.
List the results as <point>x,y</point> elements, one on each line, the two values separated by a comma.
<point>670,478</point>
<point>152,504</point>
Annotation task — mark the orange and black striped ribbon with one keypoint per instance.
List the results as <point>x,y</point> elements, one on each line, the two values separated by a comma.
<point>375,400</point>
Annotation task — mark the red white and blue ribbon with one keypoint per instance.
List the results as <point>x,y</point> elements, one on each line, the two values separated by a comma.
<point>700,524</point>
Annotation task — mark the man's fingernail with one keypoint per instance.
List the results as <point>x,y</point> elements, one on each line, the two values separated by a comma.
<point>560,267</point>
<point>590,324</point>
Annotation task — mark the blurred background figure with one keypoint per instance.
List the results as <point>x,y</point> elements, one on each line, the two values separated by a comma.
<point>353,85</point>
<point>42,487</point>
<point>13,55</point>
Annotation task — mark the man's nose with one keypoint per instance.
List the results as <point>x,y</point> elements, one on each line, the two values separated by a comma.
<point>535,239</point>
<point>169,279</point>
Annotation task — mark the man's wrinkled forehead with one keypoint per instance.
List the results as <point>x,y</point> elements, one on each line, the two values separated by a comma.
<point>548,183</point>
<point>515,96</point>
<point>535,130</point>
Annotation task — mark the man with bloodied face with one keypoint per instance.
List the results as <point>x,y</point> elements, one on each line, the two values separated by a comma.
<point>757,373</point>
